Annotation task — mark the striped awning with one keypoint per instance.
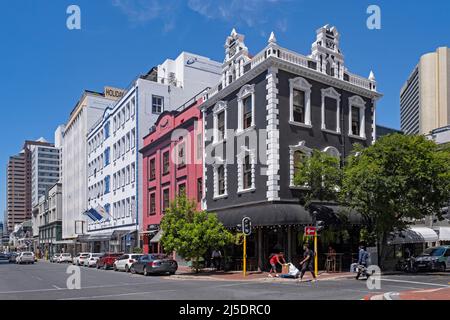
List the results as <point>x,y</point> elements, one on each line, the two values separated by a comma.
<point>415,235</point>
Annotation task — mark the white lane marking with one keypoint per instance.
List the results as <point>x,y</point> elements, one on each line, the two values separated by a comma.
<point>416,282</point>
<point>36,277</point>
<point>57,288</point>
<point>117,295</point>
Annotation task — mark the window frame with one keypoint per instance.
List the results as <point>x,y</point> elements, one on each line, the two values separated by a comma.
<point>331,93</point>
<point>357,102</point>
<point>300,84</point>
<point>247,91</point>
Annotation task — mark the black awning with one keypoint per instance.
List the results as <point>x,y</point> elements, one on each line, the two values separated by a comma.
<point>285,214</point>
<point>266,215</point>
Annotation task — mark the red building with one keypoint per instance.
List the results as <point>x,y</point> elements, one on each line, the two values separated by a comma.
<point>172,164</point>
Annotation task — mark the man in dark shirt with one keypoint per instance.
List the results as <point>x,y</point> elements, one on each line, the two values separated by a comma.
<point>307,262</point>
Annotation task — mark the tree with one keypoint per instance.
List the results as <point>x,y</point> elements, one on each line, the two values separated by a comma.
<point>321,176</point>
<point>190,232</point>
<point>397,179</point>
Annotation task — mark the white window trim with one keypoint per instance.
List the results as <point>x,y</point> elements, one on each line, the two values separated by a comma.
<point>219,107</point>
<point>219,162</point>
<point>292,149</point>
<point>245,92</point>
<point>333,94</point>
<point>357,101</point>
<point>334,149</point>
<point>240,161</point>
<point>302,85</point>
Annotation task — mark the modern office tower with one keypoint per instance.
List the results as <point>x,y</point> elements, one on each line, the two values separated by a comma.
<point>425,97</point>
<point>44,169</point>
<point>86,113</point>
<point>19,184</point>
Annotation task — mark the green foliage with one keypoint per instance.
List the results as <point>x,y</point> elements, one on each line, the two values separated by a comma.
<point>191,233</point>
<point>397,179</point>
<point>137,250</point>
<point>321,175</point>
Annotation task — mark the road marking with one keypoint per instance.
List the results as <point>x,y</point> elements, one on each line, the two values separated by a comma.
<point>118,295</point>
<point>416,282</point>
<point>57,288</point>
<point>36,277</point>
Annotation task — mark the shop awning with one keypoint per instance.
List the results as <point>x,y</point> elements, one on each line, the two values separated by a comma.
<point>443,233</point>
<point>415,235</point>
<point>282,214</point>
<point>157,237</point>
<point>104,236</point>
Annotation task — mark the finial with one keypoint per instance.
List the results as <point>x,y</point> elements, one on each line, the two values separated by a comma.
<point>272,38</point>
<point>233,32</point>
<point>371,76</point>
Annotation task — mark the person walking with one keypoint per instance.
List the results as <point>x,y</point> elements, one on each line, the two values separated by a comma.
<point>216,258</point>
<point>307,263</point>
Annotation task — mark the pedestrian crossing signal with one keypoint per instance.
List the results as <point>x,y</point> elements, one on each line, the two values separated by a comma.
<point>247,226</point>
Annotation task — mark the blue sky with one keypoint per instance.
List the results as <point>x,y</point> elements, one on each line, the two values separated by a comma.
<point>44,67</point>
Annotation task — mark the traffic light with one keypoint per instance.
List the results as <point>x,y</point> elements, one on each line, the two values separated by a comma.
<point>247,226</point>
<point>239,227</point>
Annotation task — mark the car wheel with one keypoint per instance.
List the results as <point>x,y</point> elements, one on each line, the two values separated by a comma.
<point>132,270</point>
<point>442,267</point>
<point>127,269</point>
<point>172,273</point>
<point>115,268</point>
<point>145,271</point>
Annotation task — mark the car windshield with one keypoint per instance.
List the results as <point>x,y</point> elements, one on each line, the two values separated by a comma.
<point>158,256</point>
<point>27,253</point>
<point>135,256</point>
<point>97,255</point>
<point>66,254</point>
<point>434,252</point>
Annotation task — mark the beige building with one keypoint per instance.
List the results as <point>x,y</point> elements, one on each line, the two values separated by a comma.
<point>425,97</point>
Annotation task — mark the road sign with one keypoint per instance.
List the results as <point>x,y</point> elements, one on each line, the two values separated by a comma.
<point>310,231</point>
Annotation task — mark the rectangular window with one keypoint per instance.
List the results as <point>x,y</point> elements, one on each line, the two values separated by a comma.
<point>107,152</point>
<point>356,124</point>
<point>199,189</point>
<point>133,172</point>
<point>331,113</point>
<point>152,169</point>
<point>152,204</point>
<point>128,175</point>
<point>248,114</point>
<point>123,146</point>
<point>299,106</point>
<point>128,142</point>
<point>123,116</point>
<point>221,179</point>
<point>133,138</point>
<point>133,106</point>
<point>181,155</point>
<point>221,125</point>
<point>107,182</point>
<point>199,146</point>
<point>166,162</point>
<point>106,131</point>
<point>247,170</point>
<point>127,112</point>
<point>157,104</point>
<point>128,207</point>
<point>166,200</point>
<point>182,189</point>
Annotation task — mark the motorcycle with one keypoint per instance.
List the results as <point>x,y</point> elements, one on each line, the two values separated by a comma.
<point>362,271</point>
<point>407,265</point>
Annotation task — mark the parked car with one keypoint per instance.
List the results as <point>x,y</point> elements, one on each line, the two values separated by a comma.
<point>4,257</point>
<point>434,259</point>
<point>91,259</point>
<point>54,258</point>
<point>107,261</point>
<point>79,258</point>
<point>25,257</point>
<point>13,257</point>
<point>124,262</point>
<point>154,264</point>
<point>65,258</point>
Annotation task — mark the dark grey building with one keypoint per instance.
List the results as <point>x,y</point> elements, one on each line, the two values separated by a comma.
<point>269,111</point>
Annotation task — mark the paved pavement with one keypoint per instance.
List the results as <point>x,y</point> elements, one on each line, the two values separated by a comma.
<point>48,281</point>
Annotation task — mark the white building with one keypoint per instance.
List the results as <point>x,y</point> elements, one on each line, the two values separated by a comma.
<point>114,161</point>
<point>44,169</point>
<point>74,175</point>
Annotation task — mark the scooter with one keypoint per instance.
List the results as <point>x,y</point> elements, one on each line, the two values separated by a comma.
<point>362,271</point>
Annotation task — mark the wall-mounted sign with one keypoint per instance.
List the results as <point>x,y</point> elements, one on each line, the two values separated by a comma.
<point>114,93</point>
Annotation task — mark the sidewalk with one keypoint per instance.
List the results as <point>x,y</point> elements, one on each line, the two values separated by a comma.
<point>186,273</point>
<point>429,294</point>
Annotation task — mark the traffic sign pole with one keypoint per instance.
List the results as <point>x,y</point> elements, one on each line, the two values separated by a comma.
<point>316,256</point>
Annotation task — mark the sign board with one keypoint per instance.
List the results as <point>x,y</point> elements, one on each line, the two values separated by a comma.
<point>310,231</point>
<point>113,93</point>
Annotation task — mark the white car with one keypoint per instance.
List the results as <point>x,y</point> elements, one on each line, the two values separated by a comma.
<point>64,258</point>
<point>25,257</point>
<point>54,258</point>
<point>124,262</point>
<point>79,258</point>
<point>91,259</point>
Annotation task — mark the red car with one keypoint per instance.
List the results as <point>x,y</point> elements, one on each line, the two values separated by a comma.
<point>107,261</point>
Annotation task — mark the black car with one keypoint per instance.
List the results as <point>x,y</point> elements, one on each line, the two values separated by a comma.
<point>154,264</point>
<point>4,257</point>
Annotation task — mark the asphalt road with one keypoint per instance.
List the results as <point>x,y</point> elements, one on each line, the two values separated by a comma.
<point>48,281</point>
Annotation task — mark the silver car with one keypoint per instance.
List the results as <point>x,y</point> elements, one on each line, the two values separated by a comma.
<point>25,257</point>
